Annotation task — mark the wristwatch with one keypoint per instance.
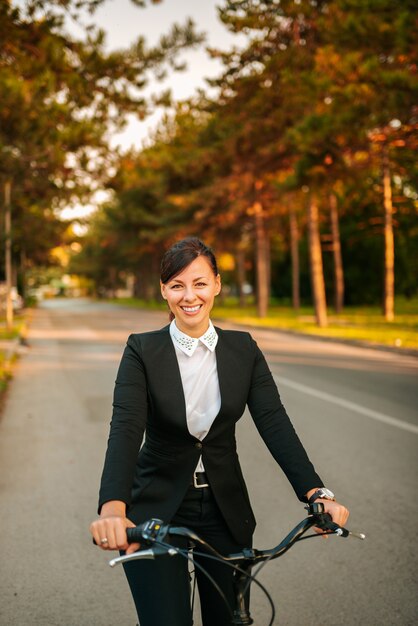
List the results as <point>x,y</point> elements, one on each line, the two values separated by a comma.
<point>325,494</point>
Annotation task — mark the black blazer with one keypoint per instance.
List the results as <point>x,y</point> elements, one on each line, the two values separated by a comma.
<point>149,398</point>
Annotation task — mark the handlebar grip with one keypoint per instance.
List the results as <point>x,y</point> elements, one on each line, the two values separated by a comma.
<point>147,532</point>
<point>134,535</point>
<point>330,525</point>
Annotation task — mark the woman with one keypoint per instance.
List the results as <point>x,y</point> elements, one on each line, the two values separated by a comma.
<point>185,386</point>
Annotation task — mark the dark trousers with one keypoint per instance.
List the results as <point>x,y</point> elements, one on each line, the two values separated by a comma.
<point>161,588</point>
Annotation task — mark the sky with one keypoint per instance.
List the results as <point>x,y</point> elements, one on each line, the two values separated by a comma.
<point>123,22</point>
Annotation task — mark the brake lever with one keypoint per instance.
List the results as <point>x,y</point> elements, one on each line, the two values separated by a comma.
<point>150,553</point>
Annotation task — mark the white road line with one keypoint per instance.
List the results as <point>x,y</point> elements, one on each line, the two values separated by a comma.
<point>322,395</point>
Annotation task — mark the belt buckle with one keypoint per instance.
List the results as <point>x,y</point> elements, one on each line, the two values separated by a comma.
<point>195,482</point>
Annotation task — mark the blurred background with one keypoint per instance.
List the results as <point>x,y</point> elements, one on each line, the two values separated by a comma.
<point>284,134</point>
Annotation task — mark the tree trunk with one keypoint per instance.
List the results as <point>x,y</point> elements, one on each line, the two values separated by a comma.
<point>8,253</point>
<point>22,277</point>
<point>150,284</point>
<point>262,270</point>
<point>389,293</point>
<point>147,278</point>
<point>336,251</point>
<point>112,282</point>
<point>294,251</point>
<point>137,290</point>
<point>268,262</point>
<point>241,275</point>
<point>317,272</point>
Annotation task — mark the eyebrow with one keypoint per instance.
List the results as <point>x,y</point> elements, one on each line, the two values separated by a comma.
<point>176,280</point>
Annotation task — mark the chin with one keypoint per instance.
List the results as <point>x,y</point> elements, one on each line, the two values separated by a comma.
<point>191,320</point>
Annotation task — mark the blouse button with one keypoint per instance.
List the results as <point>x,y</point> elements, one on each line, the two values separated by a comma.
<point>198,445</point>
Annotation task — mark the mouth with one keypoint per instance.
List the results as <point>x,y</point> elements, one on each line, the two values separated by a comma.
<point>191,310</point>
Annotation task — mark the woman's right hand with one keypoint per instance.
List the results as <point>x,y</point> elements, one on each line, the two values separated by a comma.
<point>111,526</point>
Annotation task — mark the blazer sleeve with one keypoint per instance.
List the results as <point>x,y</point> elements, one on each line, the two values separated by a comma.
<point>127,426</point>
<point>276,429</point>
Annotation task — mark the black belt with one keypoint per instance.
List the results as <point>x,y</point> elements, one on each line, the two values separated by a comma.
<point>200,480</point>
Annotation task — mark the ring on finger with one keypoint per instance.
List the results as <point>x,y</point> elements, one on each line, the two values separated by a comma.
<point>104,541</point>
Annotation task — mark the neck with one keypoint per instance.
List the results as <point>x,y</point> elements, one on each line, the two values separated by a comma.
<point>194,332</point>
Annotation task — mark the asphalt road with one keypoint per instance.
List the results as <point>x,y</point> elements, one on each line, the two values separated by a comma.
<point>355,410</point>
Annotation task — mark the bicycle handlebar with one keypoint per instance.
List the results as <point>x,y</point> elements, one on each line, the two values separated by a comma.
<point>152,535</point>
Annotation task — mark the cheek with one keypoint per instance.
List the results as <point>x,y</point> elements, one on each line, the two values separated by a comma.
<point>209,295</point>
<point>173,297</point>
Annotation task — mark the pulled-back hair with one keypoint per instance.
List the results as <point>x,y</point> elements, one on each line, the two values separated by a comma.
<point>181,254</point>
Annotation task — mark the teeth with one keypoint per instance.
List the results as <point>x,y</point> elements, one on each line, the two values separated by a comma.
<point>191,309</point>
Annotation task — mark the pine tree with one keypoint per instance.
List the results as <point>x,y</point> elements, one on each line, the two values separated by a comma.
<point>60,98</point>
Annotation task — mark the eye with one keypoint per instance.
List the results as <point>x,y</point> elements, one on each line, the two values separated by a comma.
<point>201,284</point>
<point>175,286</point>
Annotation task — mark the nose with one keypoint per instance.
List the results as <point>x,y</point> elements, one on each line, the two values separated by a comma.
<point>189,294</point>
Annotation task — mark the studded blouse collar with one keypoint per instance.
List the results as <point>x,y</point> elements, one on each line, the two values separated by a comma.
<point>188,344</point>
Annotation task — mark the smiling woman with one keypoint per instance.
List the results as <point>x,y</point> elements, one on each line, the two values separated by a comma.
<point>184,387</point>
<point>190,287</point>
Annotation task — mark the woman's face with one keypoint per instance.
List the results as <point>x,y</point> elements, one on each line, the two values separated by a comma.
<point>190,296</point>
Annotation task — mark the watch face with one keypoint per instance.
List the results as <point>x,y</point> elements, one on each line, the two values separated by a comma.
<point>327,493</point>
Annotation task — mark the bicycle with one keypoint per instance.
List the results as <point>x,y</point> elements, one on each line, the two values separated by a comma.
<point>152,535</point>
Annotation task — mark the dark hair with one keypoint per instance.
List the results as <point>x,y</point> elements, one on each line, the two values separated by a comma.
<point>181,254</point>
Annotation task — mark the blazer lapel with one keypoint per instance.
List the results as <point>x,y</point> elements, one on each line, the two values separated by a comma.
<point>234,366</point>
<point>226,375</point>
<point>221,366</point>
<point>169,388</point>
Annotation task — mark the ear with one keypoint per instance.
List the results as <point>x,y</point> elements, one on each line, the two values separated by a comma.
<point>163,288</point>
<point>218,285</point>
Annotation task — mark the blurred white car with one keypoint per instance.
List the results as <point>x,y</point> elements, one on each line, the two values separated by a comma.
<point>17,300</point>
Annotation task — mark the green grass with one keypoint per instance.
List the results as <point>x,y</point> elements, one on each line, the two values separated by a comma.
<point>19,323</point>
<point>19,326</point>
<point>363,324</point>
<point>5,371</point>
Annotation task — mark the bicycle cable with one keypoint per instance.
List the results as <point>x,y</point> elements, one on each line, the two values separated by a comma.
<point>251,578</point>
<point>282,551</point>
<point>218,557</point>
<point>181,531</point>
<point>186,555</point>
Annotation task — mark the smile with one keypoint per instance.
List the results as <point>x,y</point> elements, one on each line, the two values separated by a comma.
<point>191,309</point>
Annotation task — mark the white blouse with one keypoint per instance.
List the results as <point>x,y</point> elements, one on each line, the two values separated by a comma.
<point>199,375</point>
